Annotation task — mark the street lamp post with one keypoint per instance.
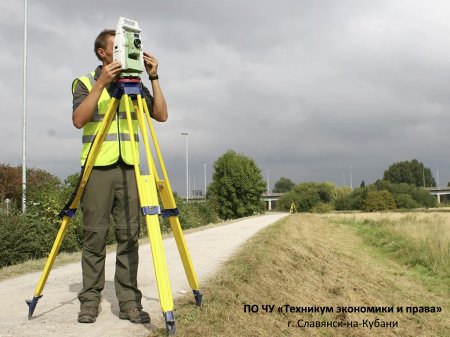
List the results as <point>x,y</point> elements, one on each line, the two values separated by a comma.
<point>24,112</point>
<point>423,174</point>
<point>437,176</point>
<point>204,173</point>
<point>187,165</point>
<point>351,179</point>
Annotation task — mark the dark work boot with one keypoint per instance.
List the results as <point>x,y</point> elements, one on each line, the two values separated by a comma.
<point>88,315</point>
<point>135,315</point>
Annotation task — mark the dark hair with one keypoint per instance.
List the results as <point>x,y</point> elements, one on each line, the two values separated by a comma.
<point>100,41</point>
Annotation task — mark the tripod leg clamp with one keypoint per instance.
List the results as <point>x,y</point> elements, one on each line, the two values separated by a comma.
<point>170,212</point>
<point>67,211</point>
<point>151,210</point>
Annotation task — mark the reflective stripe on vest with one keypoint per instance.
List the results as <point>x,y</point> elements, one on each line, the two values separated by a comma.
<point>110,137</point>
<point>117,141</point>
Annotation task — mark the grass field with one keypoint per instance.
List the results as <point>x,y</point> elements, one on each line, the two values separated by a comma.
<point>325,262</point>
<point>420,240</point>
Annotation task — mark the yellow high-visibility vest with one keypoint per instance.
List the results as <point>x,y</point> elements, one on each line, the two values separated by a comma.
<point>117,142</point>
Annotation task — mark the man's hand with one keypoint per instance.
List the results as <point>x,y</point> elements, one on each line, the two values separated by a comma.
<point>87,108</point>
<point>109,73</point>
<point>151,64</point>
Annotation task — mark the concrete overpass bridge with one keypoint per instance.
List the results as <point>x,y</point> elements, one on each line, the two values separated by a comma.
<point>438,191</point>
<point>269,198</point>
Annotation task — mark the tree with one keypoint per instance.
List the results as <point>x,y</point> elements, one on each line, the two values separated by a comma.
<point>237,186</point>
<point>37,181</point>
<point>410,172</point>
<point>283,185</point>
<point>10,183</point>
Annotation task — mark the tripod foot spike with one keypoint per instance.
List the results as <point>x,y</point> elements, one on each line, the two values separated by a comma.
<point>170,323</point>
<point>32,305</point>
<point>198,297</point>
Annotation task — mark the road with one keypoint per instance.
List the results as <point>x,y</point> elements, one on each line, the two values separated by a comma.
<point>56,312</point>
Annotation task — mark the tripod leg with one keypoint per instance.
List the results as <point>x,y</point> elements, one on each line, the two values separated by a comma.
<point>73,204</point>
<point>48,266</point>
<point>168,202</point>
<point>149,204</point>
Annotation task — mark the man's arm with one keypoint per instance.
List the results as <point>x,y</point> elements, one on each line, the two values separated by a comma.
<point>83,113</point>
<point>159,102</point>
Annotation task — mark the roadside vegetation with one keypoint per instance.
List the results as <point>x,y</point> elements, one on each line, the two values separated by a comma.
<point>309,261</point>
<point>380,196</point>
<point>234,193</point>
<point>402,187</point>
<point>30,236</point>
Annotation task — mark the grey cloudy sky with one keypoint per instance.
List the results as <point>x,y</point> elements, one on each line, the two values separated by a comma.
<point>307,89</point>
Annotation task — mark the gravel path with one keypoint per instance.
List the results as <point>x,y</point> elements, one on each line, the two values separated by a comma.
<point>56,312</point>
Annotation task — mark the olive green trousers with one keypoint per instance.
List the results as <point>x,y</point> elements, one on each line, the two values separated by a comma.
<point>110,192</point>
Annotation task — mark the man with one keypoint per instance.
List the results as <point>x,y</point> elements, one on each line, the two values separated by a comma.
<point>111,189</point>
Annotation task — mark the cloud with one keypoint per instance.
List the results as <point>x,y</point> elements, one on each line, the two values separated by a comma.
<point>306,88</point>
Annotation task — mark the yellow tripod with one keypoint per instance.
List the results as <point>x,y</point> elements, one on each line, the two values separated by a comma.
<point>148,188</point>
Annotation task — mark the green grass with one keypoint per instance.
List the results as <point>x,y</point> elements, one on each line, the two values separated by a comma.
<point>428,255</point>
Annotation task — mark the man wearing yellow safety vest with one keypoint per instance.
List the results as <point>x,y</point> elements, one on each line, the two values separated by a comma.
<point>111,189</point>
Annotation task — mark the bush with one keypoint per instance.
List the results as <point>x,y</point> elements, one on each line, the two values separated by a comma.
<point>315,197</point>
<point>192,214</point>
<point>352,201</point>
<point>322,208</point>
<point>378,201</point>
<point>285,201</point>
<point>418,196</point>
<point>405,201</point>
<point>424,198</point>
<point>343,203</point>
<point>308,195</point>
<point>23,238</point>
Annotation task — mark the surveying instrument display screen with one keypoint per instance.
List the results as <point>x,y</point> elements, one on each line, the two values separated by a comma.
<point>128,48</point>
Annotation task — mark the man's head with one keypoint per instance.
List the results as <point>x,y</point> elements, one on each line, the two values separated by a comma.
<point>103,46</point>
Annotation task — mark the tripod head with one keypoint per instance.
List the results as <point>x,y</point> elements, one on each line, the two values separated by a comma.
<point>128,48</point>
